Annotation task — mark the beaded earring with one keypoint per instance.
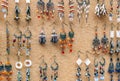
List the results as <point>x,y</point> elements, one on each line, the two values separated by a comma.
<point>54,68</point>
<point>118,11</point>
<point>79,62</point>
<point>102,70</point>
<point>40,8</point>
<point>104,42</point>
<point>50,9</point>
<point>54,36</point>
<point>96,42</point>
<point>43,70</point>
<point>96,70</point>
<point>42,37</point>
<point>17,10</point>
<point>100,9</point>
<point>111,11</point>
<point>28,11</point>
<point>87,63</point>
<point>1,71</point>
<point>70,37</point>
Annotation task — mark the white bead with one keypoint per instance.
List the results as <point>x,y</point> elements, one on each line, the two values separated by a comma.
<point>27,1</point>
<point>16,1</point>
<point>111,34</point>
<point>18,65</point>
<point>118,19</point>
<point>110,18</point>
<point>118,34</point>
<point>28,63</point>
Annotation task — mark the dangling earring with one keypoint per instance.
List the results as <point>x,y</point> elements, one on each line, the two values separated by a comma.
<point>71,37</point>
<point>79,62</point>
<point>96,70</point>
<point>28,11</point>
<point>5,7</point>
<point>54,36</point>
<point>104,42</point>
<point>102,70</point>
<point>50,9</point>
<point>96,42</point>
<point>103,10</point>
<point>118,11</point>
<point>17,10</point>
<point>87,63</point>
<point>40,8</point>
<point>111,11</point>
<point>54,68</point>
<point>1,70</point>
<point>42,37</point>
<point>43,70</point>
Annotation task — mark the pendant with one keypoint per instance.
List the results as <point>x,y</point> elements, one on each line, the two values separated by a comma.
<point>54,36</point>
<point>42,37</point>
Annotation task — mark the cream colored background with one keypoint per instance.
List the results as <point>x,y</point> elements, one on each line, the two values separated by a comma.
<point>84,33</point>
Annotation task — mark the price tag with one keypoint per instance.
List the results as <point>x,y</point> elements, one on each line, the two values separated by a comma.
<point>16,1</point>
<point>27,1</point>
<point>111,34</point>
<point>118,34</point>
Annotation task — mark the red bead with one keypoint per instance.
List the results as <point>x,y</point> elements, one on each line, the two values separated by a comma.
<point>63,52</point>
<point>23,41</point>
<point>38,16</point>
<point>111,8</point>
<point>70,50</point>
<point>14,40</point>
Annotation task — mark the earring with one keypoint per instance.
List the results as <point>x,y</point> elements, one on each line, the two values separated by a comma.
<point>42,37</point>
<point>79,62</point>
<point>111,11</point>
<point>104,42</point>
<point>50,9</point>
<point>71,37</point>
<point>17,10</point>
<point>54,36</point>
<point>96,70</point>
<point>96,42</point>
<point>5,7</point>
<point>28,11</point>
<point>118,11</point>
<point>61,10</point>
<point>87,63</point>
<point>40,8</point>
<point>102,70</point>
<point>1,71</point>
<point>43,70</point>
<point>54,68</point>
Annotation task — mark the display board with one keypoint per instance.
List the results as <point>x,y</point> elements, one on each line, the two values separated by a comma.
<point>84,34</point>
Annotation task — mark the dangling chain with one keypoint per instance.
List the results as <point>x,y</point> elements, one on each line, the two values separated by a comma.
<point>83,7</point>
<point>118,11</point>
<point>96,42</point>
<point>61,10</point>
<point>43,70</point>
<point>104,42</point>
<point>111,11</point>
<point>54,68</point>
<point>100,9</point>
<point>102,70</point>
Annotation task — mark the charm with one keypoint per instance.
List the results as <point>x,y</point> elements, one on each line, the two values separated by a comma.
<point>43,70</point>
<point>117,69</point>
<point>96,43</point>
<point>61,9</point>
<point>96,70</point>
<point>111,66</point>
<point>40,8</point>
<point>50,9</point>
<point>104,42</point>
<point>28,13</point>
<point>71,10</point>
<point>71,38</point>
<point>5,7</point>
<point>17,12</point>
<point>54,36</point>
<point>42,37</point>
<point>87,62</point>
<point>102,70</point>
<point>54,68</point>
<point>19,76</point>
<point>79,62</point>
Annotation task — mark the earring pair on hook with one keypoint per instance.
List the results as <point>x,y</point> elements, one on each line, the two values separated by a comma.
<point>43,70</point>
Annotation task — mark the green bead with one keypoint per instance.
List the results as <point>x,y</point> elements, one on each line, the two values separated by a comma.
<point>71,34</point>
<point>63,36</point>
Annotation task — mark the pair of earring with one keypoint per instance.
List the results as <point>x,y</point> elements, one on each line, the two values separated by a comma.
<point>42,37</point>
<point>100,9</point>
<point>103,44</point>
<point>43,70</point>
<point>83,6</point>
<point>97,68</point>
<point>49,12</point>
<point>87,63</point>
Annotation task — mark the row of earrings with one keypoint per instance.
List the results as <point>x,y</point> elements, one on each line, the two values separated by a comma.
<point>43,70</point>
<point>62,39</point>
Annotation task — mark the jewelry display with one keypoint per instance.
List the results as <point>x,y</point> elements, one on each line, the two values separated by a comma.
<point>83,7</point>
<point>111,11</point>
<point>79,62</point>
<point>54,68</point>
<point>87,63</point>
<point>102,70</point>
<point>104,42</point>
<point>96,42</point>
<point>100,9</point>
<point>43,70</point>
